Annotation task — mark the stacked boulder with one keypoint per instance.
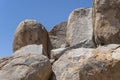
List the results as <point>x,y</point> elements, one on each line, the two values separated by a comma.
<point>79,32</point>
<point>77,53</point>
<point>32,32</point>
<point>88,63</point>
<point>30,61</point>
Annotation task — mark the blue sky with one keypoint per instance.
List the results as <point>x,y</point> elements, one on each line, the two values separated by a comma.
<point>47,12</point>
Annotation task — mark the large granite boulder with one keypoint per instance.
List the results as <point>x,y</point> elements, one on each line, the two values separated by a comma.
<point>31,32</point>
<point>58,35</point>
<point>102,63</point>
<point>79,28</point>
<point>106,21</point>
<point>25,67</point>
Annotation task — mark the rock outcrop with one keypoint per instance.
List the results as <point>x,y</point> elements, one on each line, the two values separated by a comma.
<point>74,55</point>
<point>58,35</point>
<point>31,32</point>
<point>102,63</point>
<point>25,67</point>
<point>106,21</point>
<point>79,28</point>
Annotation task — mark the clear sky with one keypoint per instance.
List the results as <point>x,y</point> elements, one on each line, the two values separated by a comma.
<point>47,12</point>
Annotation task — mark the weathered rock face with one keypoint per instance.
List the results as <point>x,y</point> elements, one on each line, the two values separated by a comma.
<point>31,32</point>
<point>68,65</point>
<point>106,21</point>
<point>78,59</point>
<point>58,35</point>
<point>102,63</point>
<point>79,28</point>
<point>25,67</point>
<point>36,49</point>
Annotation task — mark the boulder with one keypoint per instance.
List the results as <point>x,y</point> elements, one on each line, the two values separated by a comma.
<point>31,32</point>
<point>68,65</point>
<point>33,48</point>
<point>25,67</point>
<point>106,21</point>
<point>102,63</point>
<point>58,35</point>
<point>79,28</point>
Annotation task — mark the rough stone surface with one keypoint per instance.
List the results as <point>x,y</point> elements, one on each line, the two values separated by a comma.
<point>102,63</point>
<point>106,21</point>
<point>56,53</point>
<point>74,56</point>
<point>68,65</point>
<point>36,49</point>
<point>31,32</point>
<point>58,35</point>
<point>79,28</point>
<point>25,67</point>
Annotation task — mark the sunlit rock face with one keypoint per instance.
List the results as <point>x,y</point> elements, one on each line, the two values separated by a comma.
<point>79,28</point>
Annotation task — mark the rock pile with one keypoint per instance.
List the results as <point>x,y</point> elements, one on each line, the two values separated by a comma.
<point>87,47</point>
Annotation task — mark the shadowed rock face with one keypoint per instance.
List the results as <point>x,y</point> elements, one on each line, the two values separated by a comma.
<point>79,28</point>
<point>106,21</point>
<point>58,35</point>
<point>31,32</point>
